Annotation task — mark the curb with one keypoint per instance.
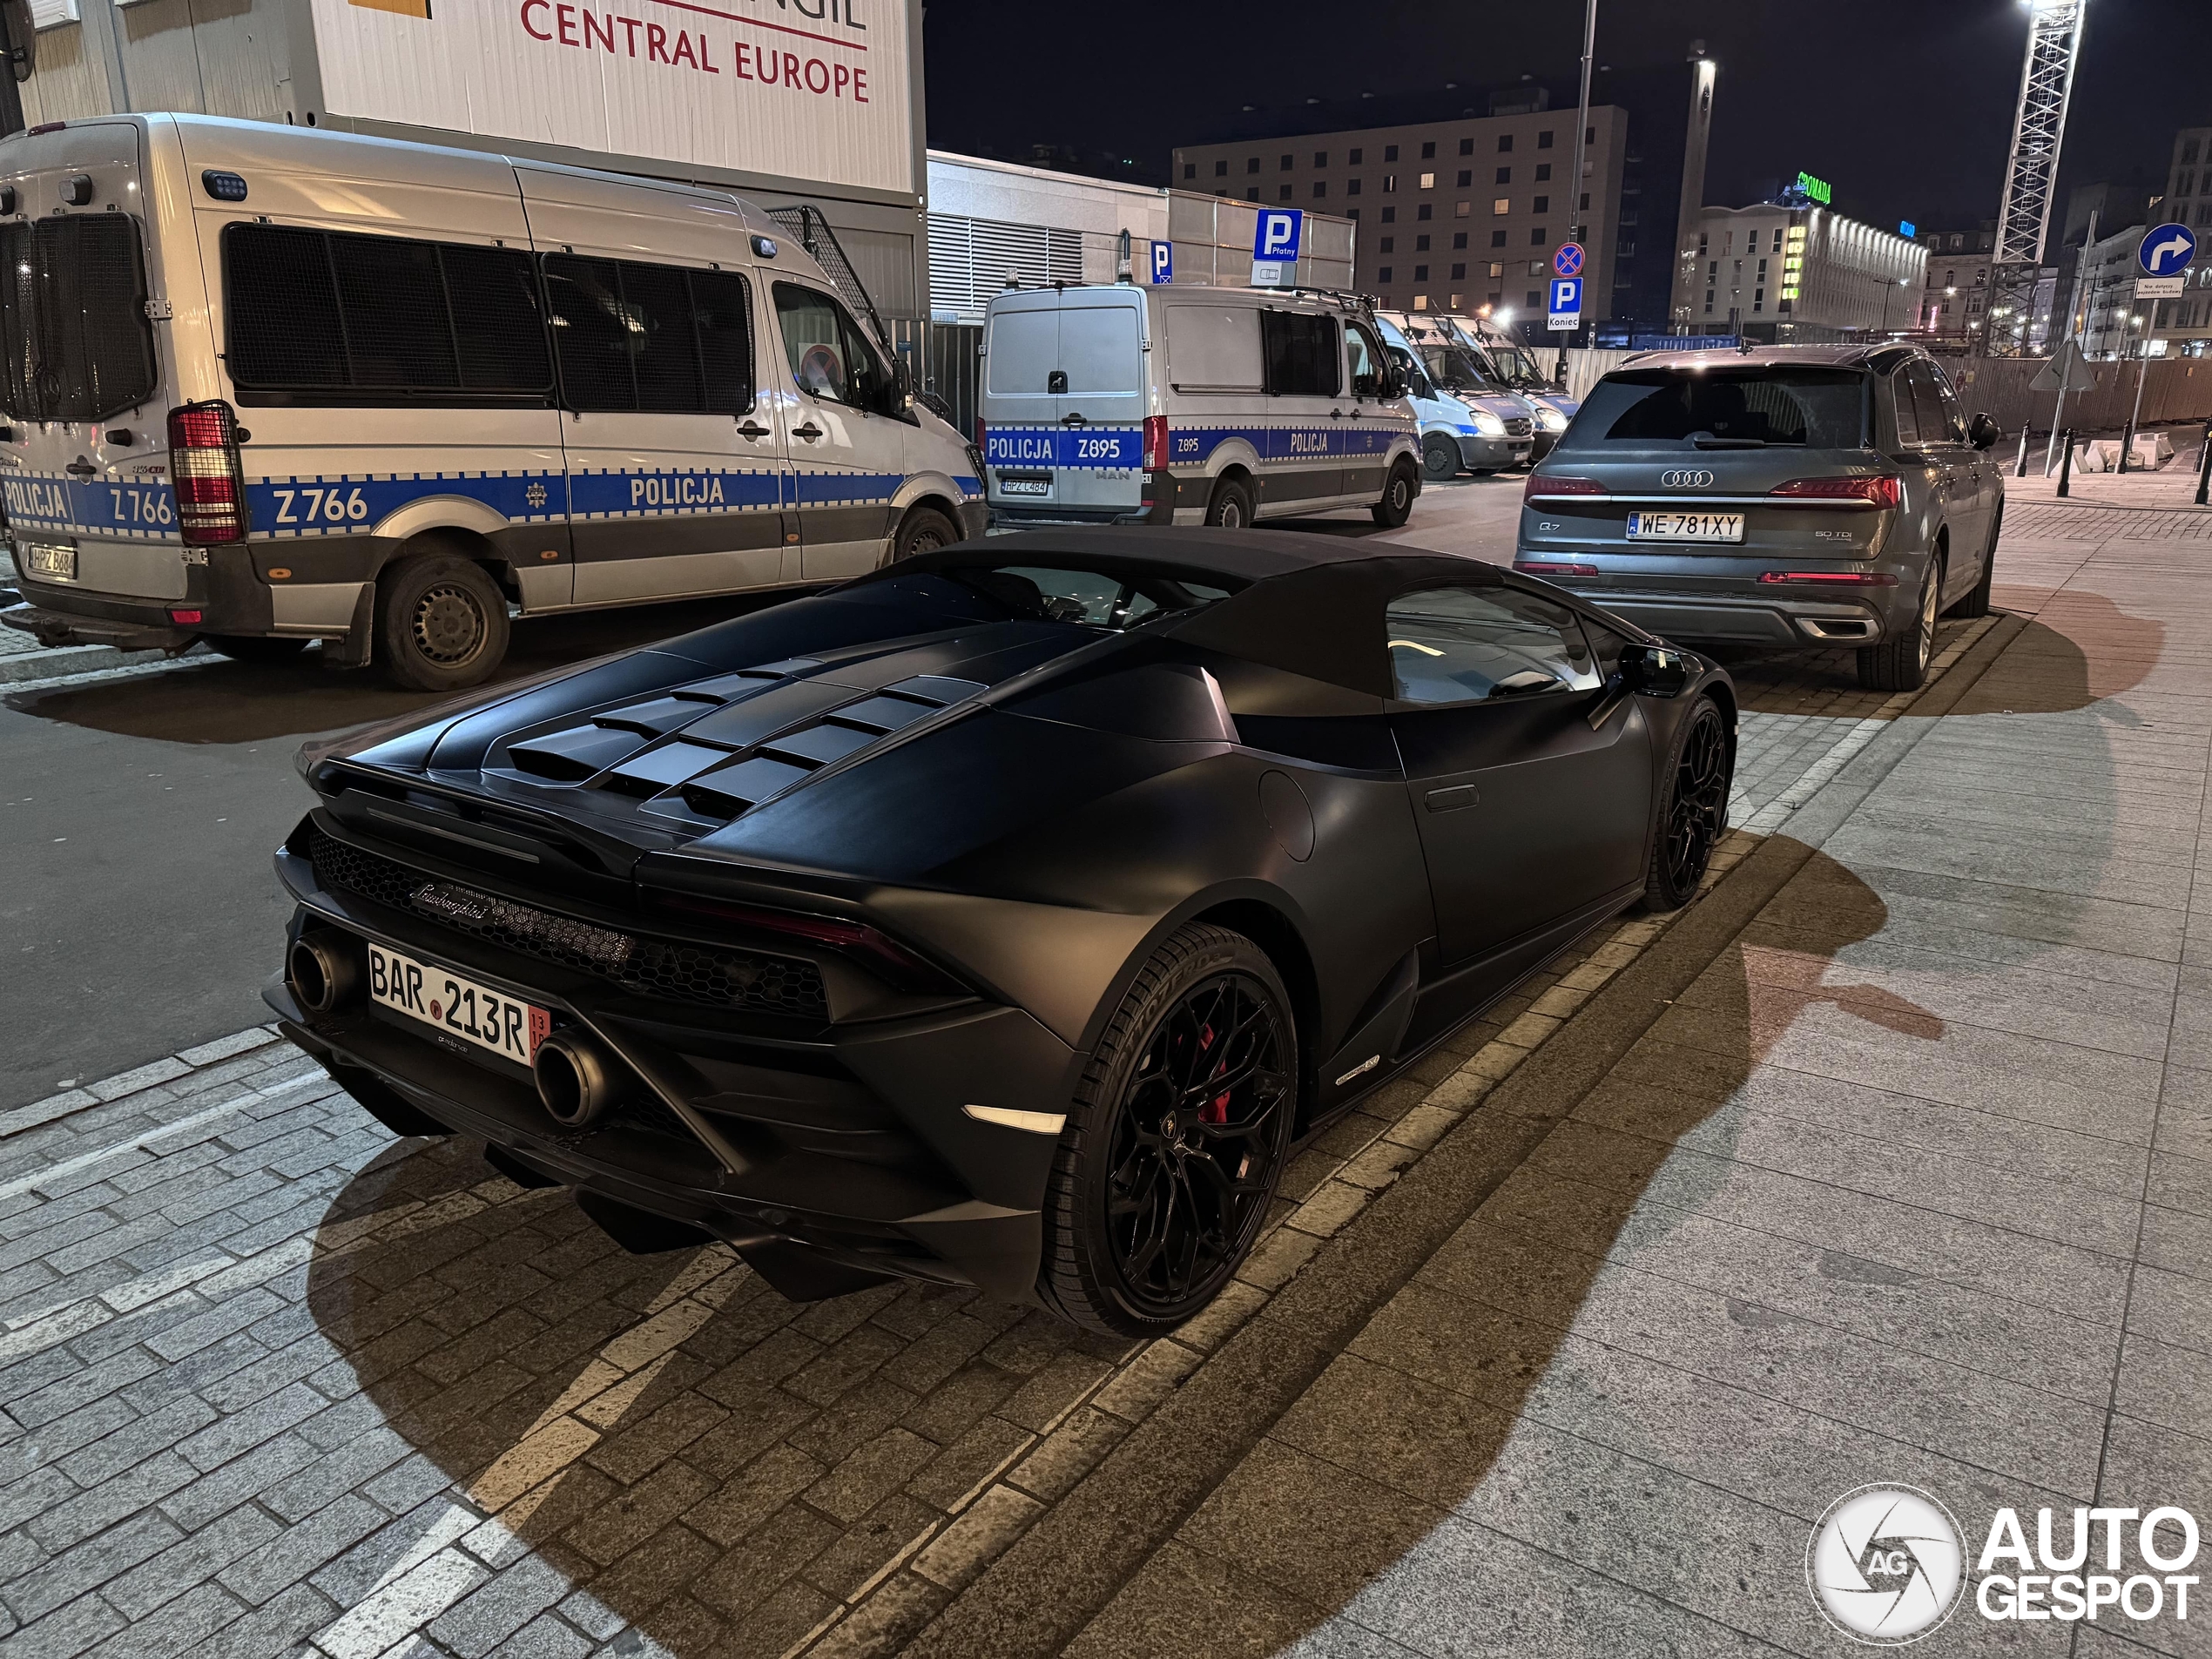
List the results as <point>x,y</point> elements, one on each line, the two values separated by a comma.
<point>1042,1544</point>
<point>59,662</point>
<point>154,1074</point>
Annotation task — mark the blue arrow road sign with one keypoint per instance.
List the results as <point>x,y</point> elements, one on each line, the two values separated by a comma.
<point>2167,251</point>
<point>1276,237</point>
<point>1162,261</point>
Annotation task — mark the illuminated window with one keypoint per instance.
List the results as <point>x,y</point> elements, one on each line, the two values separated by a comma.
<point>1501,207</point>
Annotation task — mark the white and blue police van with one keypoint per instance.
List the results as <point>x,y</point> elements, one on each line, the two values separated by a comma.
<point>1464,430</point>
<point>1123,404</point>
<point>268,385</point>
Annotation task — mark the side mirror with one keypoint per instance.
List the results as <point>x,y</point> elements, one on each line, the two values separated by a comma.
<point>1655,670</point>
<point>1983,431</point>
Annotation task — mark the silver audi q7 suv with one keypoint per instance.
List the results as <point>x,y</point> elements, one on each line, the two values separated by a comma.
<point>1789,495</point>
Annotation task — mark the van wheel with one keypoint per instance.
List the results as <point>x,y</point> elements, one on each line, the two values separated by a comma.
<point>441,624</point>
<point>924,530</point>
<point>255,648</point>
<point>1397,504</point>
<point>1232,506</point>
<point>1439,456</point>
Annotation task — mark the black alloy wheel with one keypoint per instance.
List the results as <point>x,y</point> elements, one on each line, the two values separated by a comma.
<point>1693,815</point>
<point>1167,1167</point>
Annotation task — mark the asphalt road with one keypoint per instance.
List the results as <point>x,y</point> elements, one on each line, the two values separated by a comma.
<point>138,913</point>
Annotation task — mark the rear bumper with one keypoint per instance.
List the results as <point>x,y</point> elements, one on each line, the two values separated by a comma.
<point>229,596</point>
<point>1763,619</point>
<point>57,627</point>
<point>847,1147</point>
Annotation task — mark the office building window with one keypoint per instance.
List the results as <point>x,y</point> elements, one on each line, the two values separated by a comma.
<point>1221,169</point>
<point>1586,201</point>
<point>1352,186</point>
<point>1461,210</point>
<point>1536,237</point>
<point>1352,158</point>
<point>1320,189</point>
<point>1283,193</point>
<point>1253,194</point>
<point>1382,274</point>
<point>1535,298</point>
<point>1189,170</point>
<point>1423,211</point>
<point>1589,135</point>
<point>1505,175</point>
<point>1420,245</point>
<point>1252,163</point>
<point>1542,205</point>
<point>1389,244</point>
<point>1497,239</point>
<point>1543,171</point>
<point>1466,146</point>
<point>1626,251</point>
<point>1351,213</point>
<point>1777,235</point>
<point>1455,302</point>
<point>1420,274</point>
<point>1501,207</point>
<point>1543,140</point>
<point>1390,184</point>
<point>1496,271</point>
<point>1705,240</point>
<point>1458,271</point>
<point>1390,216</point>
<point>1460,239</point>
<point>1420,303</point>
<point>1505,144</point>
<point>1428,152</point>
<point>1390,153</point>
<point>1288,162</point>
<point>1428,181</point>
<point>1466,177</point>
<point>1535,268</point>
<point>1320,157</point>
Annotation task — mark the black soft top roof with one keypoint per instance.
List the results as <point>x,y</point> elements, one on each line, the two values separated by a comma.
<point>1307,603</point>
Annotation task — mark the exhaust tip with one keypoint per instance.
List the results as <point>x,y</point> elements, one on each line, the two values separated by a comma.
<point>577,1080</point>
<point>322,971</point>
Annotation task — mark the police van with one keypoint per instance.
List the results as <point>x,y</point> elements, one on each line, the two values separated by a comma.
<point>1125,404</point>
<point>266,385</point>
<point>1462,429</point>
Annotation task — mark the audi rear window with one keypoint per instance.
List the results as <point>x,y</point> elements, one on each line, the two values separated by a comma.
<point>1724,409</point>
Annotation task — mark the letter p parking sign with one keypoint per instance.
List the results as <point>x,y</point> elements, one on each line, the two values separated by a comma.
<point>1277,235</point>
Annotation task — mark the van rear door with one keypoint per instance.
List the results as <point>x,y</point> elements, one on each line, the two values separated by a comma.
<point>1064,401</point>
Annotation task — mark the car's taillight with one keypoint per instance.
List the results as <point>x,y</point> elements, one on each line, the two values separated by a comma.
<point>1553,567</point>
<point>1887,490</point>
<point>1544,483</point>
<point>1834,579</point>
<point>1156,442</point>
<point>981,432</point>
<point>205,468</point>
<point>890,960</point>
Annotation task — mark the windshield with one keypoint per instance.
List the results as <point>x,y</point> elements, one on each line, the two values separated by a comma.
<point>1417,382</point>
<point>1088,598</point>
<point>1457,367</point>
<point>1819,409</point>
<point>1516,367</point>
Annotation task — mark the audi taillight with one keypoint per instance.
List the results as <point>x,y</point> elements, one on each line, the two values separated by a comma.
<point>205,469</point>
<point>1833,578</point>
<point>1156,442</point>
<point>1887,490</point>
<point>1542,484</point>
<point>1553,567</point>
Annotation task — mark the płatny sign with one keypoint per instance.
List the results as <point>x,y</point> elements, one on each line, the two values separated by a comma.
<point>1275,246</point>
<point>816,91</point>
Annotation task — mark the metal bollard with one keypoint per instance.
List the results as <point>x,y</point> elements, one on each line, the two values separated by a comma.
<point>2019,467</point>
<point>2066,462</point>
<point>2204,467</point>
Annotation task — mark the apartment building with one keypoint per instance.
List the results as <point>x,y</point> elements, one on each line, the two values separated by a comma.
<point>1954,303</point>
<point>2182,328</point>
<point>1452,214</point>
<point>1783,272</point>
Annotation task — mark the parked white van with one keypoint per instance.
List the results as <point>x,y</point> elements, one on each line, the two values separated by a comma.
<point>1461,430</point>
<point>1125,405</point>
<point>266,385</point>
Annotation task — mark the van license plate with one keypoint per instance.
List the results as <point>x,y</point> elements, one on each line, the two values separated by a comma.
<point>55,559</point>
<point>1685,527</point>
<point>1026,484</point>
<point>457,1006</point>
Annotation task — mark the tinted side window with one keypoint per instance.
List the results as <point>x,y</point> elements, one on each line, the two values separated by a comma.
<point>1954,412</point>
<point>1898,388</point>
<point>830,357</point>
<point>657,338</point>
<point>330,316</point>
<point>1927,402</point>
<point>73,308</point>
<point>1363,354</point>
<point>1472,644</point>
<point>1301,350</point>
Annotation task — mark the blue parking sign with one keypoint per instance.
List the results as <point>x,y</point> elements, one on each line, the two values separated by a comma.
<point>1275,236</point>
<point>1566,308</point>
<point>1162,261</point>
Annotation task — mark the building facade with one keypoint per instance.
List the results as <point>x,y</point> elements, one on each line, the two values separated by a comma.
<point>1954,304</point>
<point>2182,328</point>
<point>1776,272</point>
<point>1455,215</point>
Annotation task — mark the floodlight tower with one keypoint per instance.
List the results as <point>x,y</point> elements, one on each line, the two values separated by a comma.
<point>2032,171</point>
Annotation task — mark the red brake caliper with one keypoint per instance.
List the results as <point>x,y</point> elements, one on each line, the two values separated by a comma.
<point>1217,1109</point>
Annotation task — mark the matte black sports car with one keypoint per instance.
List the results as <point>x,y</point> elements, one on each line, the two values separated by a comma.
<point>1004,918</point>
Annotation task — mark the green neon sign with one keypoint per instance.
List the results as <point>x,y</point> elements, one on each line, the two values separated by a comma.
<point>1815,188</point>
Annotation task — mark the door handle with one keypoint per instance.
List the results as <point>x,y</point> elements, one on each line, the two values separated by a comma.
<point>1454,797</point>
<point>1336,415</point>
<point>81,468</point>
<point>810,432</point>
<point>753,430</point>
<point>1073,420</point>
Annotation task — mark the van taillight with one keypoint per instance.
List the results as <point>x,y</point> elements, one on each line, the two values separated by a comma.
<point>205,469</point>
<point>1156,442</point>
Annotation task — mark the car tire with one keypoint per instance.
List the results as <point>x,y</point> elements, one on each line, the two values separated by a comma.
<point>1901,663</point>
<point>1440,457</point>
<point>1397,504</point>
<point>1692,813</point>
<point>1152,1203</point>
<point>255,648</point>
<point>1232,506</point>
<point>441,624</point>
<point>1977,602</point>
<point>923,530</point>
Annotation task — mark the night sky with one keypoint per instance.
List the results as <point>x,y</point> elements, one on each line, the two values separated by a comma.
<point>1905,106</point>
